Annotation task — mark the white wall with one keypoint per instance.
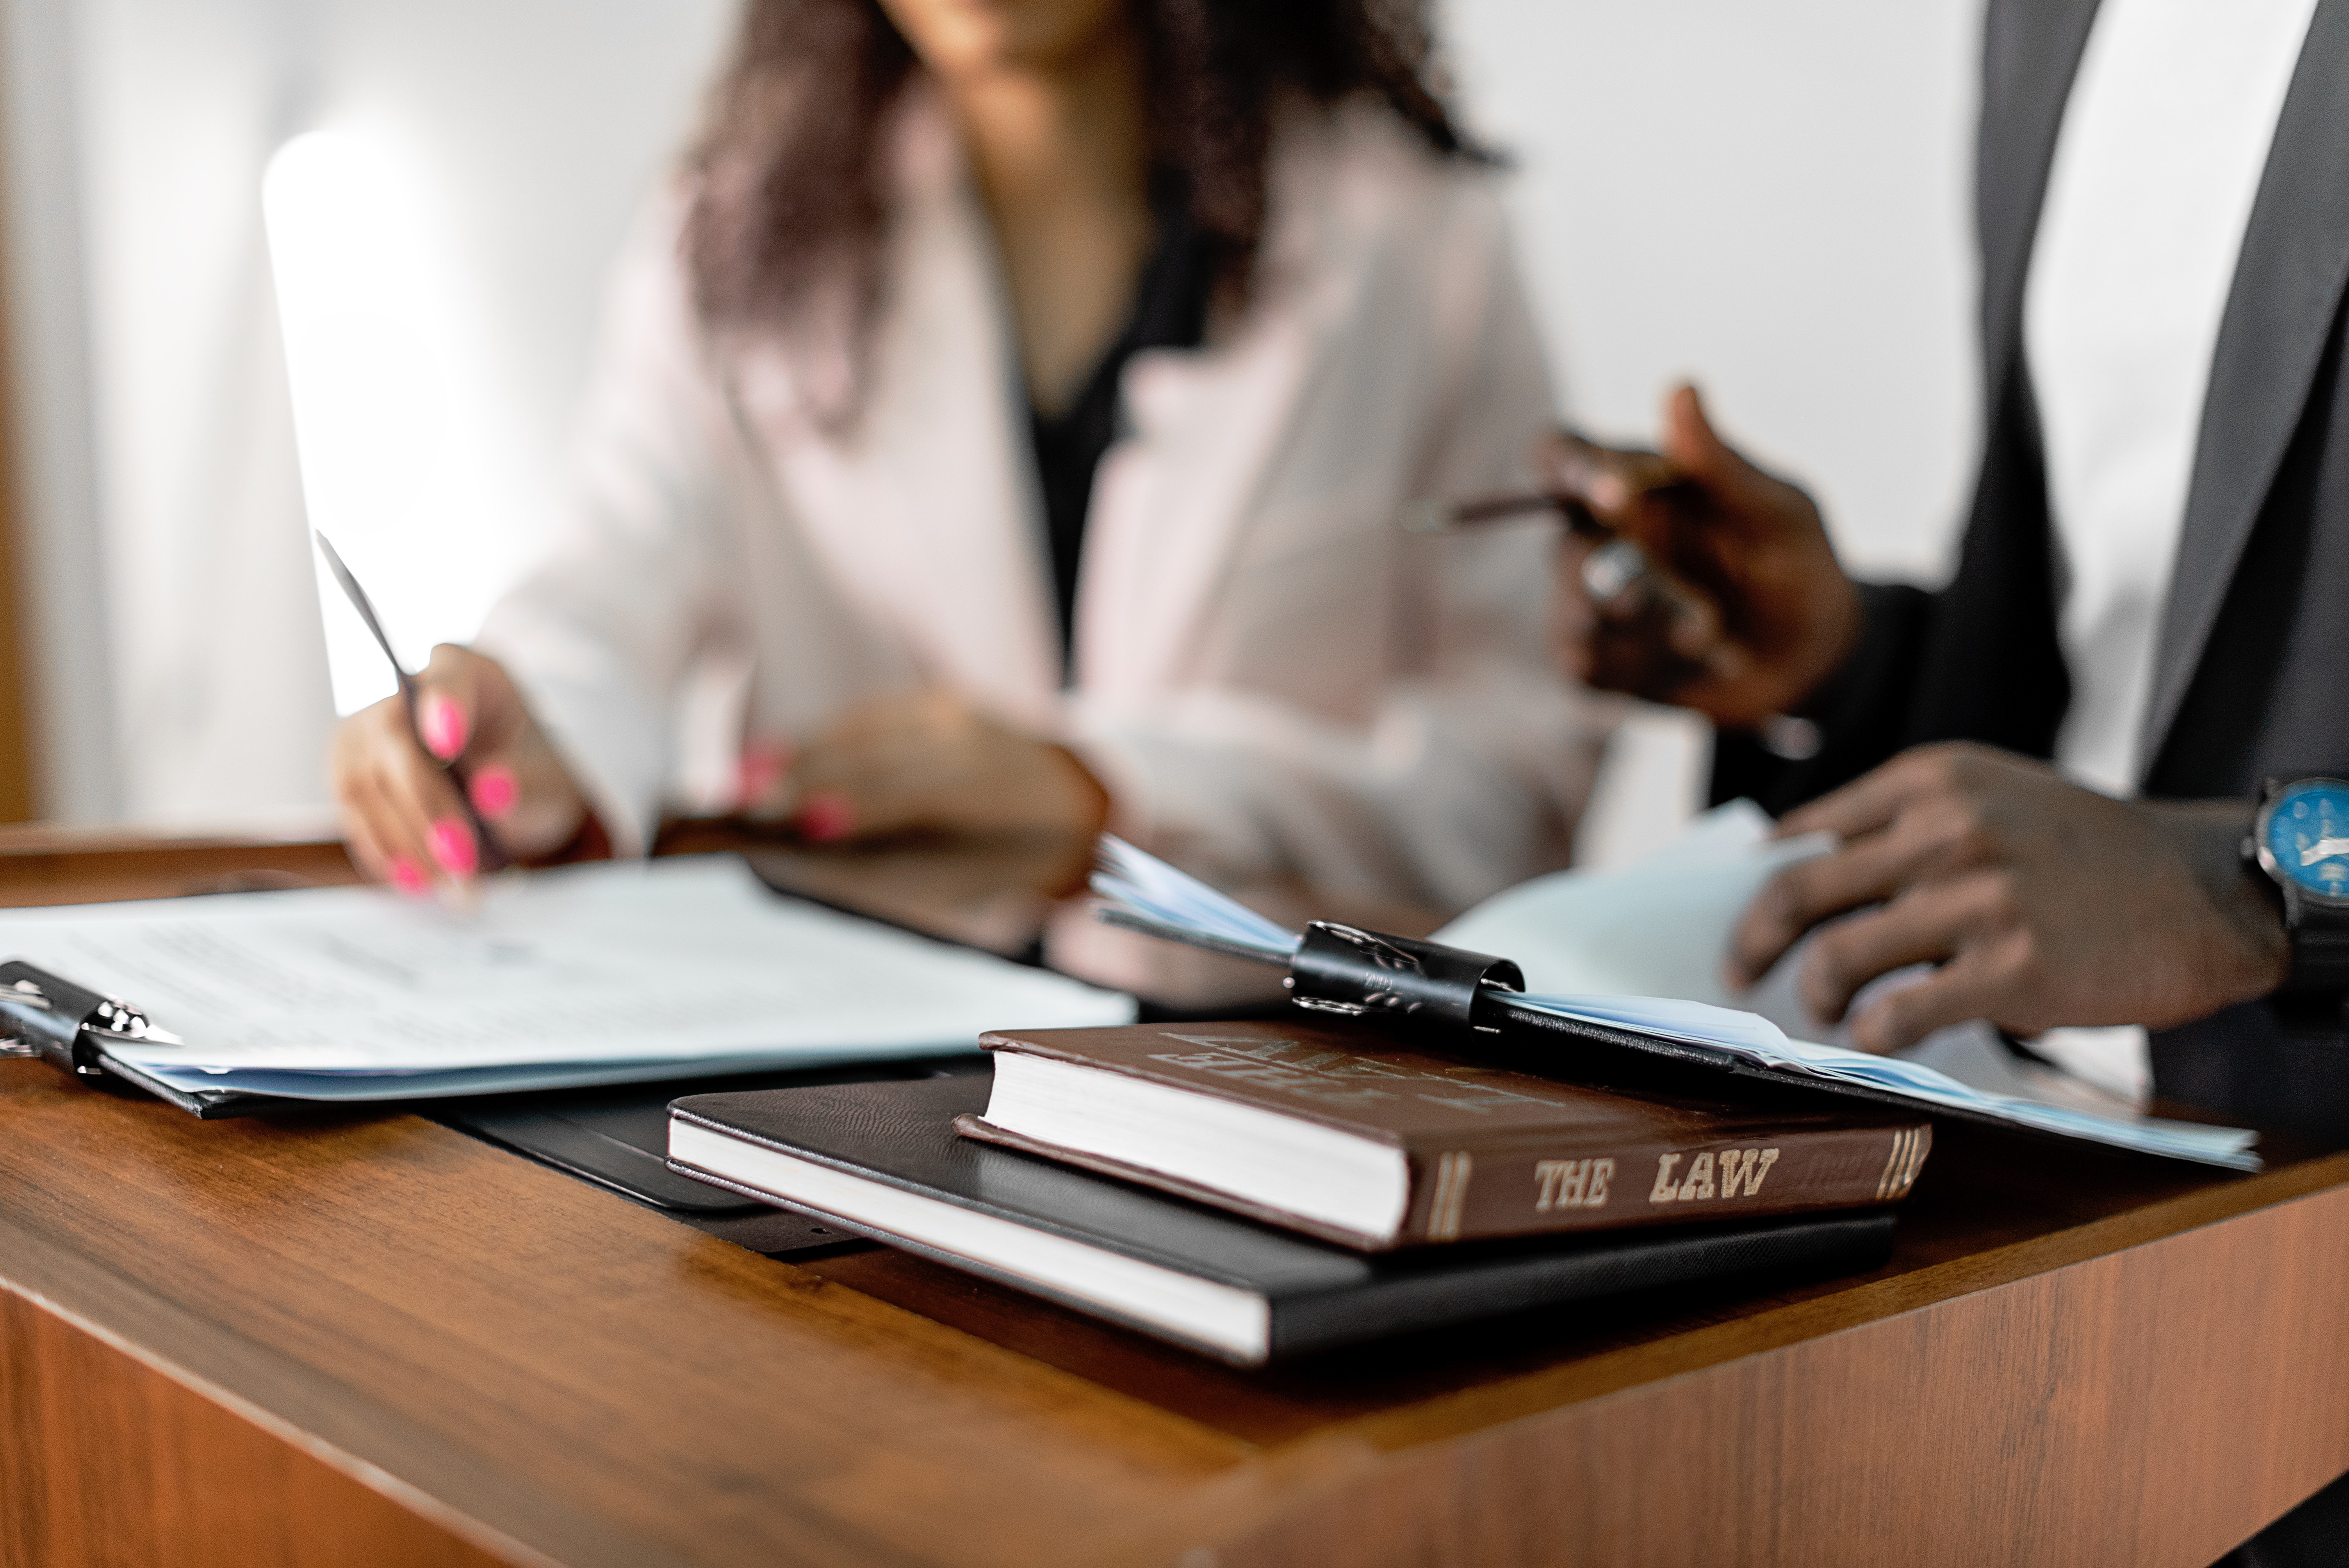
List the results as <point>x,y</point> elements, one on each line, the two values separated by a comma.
<point>1768,197</point>
<point>62,595</point>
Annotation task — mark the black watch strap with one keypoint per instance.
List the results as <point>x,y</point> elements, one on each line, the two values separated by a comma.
<point>2320,946</point>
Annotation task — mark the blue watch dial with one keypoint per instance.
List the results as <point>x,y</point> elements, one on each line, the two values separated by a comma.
<point>2308,837</point>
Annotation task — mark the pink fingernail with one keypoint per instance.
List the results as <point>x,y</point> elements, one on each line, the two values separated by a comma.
<point>407,876</point>
<point>452,846</point>
<point>495,791</point>
<point>442,725</point>
<point>825,818</point>
<point>761,767</point>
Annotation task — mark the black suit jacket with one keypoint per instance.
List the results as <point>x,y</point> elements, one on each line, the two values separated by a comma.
<point>2252,677</point>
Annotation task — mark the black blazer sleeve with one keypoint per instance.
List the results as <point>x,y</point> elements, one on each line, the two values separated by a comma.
<point>1978,660</point>
<point>1862,712</point>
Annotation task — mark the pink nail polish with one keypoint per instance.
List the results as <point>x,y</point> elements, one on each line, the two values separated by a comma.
<point>825,818</point>
<point>495,791</point>
<point>453,847</point>
<point>407,876</point>
<point>759,769</point>
<point>442,725</point>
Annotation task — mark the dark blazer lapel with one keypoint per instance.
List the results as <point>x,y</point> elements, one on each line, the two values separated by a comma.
<point>2279,318</point>
<point>2030,51</point>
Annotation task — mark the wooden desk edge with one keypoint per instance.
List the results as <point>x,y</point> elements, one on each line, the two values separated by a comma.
<point>1263,1499</point>
<point>1839,1311</point>
<point>1346,1459</point>
<point>1783,1456</point>
<point>456,1522</point>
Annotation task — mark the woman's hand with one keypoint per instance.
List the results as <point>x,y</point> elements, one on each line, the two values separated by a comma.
<point>400,813</point>
<point>929,760</point>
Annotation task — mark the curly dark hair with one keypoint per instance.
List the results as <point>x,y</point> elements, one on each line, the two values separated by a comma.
<point>788,194</point>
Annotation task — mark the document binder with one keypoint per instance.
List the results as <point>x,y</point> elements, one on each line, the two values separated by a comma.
<point>1473,1004</point>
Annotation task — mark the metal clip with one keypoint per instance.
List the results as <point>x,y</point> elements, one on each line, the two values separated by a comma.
<point>1363,974</point>
<point>43,1016</point>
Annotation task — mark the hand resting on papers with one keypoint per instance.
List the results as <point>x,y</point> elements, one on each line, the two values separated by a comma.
<point>930,761</point>
<point>2043,903</point>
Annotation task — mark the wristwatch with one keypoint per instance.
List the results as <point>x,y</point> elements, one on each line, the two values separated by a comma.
<point>2301,839</point>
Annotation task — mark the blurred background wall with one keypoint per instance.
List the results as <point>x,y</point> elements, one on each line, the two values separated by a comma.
<point>1767,195</point>
<point>1773,198</point>
<point>176,630</point>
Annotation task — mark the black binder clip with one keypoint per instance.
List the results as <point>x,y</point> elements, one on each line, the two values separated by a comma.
<point>1366,975</point>
<point>43,1016</point>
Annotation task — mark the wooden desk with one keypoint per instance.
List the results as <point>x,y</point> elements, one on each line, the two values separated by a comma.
<point>373,1340</point>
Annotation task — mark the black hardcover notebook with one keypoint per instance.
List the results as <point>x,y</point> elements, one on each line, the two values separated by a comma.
<point>883,1158</point>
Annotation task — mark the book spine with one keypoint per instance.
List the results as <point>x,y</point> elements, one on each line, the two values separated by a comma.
<point>1467,1195</point>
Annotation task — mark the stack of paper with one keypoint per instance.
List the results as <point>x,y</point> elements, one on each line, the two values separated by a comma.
<point>599,974</point>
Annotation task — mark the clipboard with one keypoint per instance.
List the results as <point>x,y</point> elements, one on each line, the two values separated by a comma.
<point>613,1137</point>
<point>676,969</point>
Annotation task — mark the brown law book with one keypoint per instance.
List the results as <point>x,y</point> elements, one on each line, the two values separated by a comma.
<point>1341,1132</point>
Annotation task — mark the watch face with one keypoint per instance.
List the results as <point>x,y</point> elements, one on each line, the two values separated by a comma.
<point>2307,837</point>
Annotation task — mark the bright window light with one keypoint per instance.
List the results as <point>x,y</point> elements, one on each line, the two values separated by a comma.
<point>396,421</point>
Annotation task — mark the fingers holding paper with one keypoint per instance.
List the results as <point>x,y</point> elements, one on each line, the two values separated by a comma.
<point>401,813</point>
<point>2036,901</point>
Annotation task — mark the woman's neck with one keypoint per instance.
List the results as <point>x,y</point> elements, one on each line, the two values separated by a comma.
<point>1063,165</point>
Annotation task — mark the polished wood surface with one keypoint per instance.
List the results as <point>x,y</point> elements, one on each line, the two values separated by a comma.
<point>137,1467</point>
<point>43,865</point>
<point>2073,1358</point>
<point>986,894</point>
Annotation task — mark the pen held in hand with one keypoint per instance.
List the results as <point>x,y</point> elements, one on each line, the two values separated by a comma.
<point>1617,574</point>
<point>493,854</point>
<point>1621,581</point>
<point>1503,506</point>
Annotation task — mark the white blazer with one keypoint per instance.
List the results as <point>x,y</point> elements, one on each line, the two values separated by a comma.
<point>1275,682</point>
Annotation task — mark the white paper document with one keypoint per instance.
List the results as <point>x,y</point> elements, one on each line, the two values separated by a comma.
<point>1641,948</point>
<point>585,975</point>
<point>1657,927</point>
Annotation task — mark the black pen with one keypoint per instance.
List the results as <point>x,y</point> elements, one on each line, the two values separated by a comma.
<point>1617,574</point>
<point>493,854</point>
<point>1614,568</point>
